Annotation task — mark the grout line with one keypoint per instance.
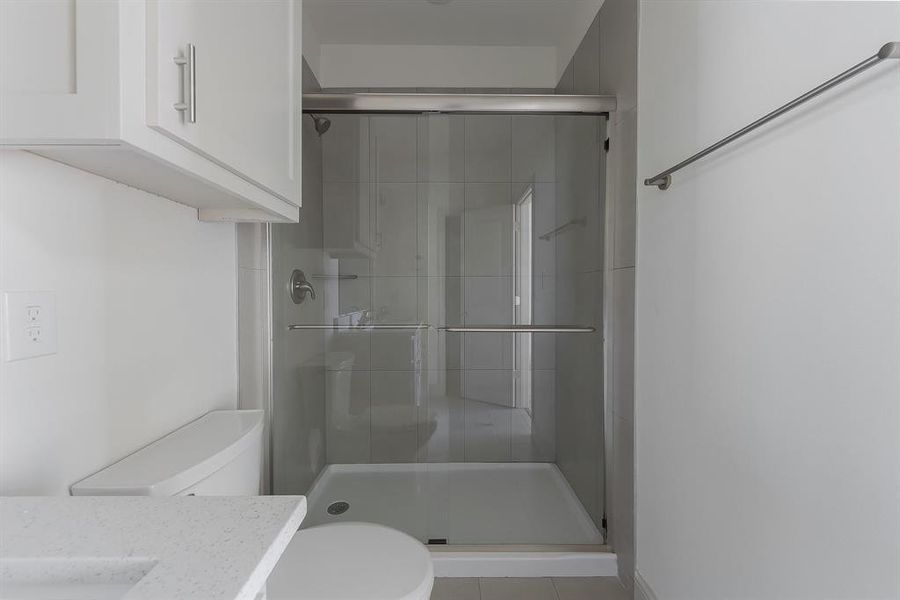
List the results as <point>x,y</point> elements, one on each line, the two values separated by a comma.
<point>373,185</point>
<point>420,382</point>
<point>462,292</point>
<point>555,589</point>
<point>369,390</point>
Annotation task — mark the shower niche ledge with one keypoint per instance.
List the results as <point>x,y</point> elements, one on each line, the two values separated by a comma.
<point>193,101</point>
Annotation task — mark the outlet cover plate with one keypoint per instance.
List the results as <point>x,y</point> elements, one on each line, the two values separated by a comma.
<point>29,324</point>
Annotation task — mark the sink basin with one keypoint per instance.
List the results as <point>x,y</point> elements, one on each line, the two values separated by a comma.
<point>70,579</point>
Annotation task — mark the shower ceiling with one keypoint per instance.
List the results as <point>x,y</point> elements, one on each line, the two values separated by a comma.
<point>458,22</point>
<point>522,29</point>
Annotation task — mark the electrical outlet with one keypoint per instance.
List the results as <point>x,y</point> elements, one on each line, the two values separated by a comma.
<point>29,324</point>
<point>32,314</point>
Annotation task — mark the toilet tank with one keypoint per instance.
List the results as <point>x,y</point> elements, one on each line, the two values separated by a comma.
<point>216,455</point>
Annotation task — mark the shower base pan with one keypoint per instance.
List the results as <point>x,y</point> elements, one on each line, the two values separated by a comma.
<point>479,519</point>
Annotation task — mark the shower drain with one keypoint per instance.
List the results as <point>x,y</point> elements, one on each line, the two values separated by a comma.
<point>338,508</point>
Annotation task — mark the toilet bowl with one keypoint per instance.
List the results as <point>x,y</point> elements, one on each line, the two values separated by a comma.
<point>349,561</point>
<point>344,419</point>
<point>219,454</point>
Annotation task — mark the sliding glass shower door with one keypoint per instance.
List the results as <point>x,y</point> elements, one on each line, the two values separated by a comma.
<point>459,317</point>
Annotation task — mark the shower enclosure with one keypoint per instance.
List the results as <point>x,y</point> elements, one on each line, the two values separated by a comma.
<point>447,377</point>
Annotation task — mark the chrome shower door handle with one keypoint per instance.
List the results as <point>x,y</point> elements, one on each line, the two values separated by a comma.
<point>189,90</point>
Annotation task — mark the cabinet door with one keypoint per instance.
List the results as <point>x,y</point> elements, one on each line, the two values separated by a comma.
<point>58,62</point>
<point>246,84</point>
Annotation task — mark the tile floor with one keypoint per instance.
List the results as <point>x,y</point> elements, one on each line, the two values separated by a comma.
<point>558,588</point>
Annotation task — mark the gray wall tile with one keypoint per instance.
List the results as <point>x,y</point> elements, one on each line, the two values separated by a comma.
<point>533,148</point>
<point>396,350</point>
<point>348,416</point>
<point>488,148</point>
<point>396,230</point>
<point>606,62</point>
<point>488,425</point>
<point>622,343</point>
<point>346,149</point>
<point>298,394</point>
<point>623,191</point>
<point>442,144</point>
<point>442,424</point>
<point>395,417</point>
<point>394,144</point>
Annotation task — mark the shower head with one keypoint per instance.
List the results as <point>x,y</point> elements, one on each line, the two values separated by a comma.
<point>322,124</point>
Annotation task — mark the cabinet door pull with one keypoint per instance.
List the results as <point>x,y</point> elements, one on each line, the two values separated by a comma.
<point>191,88</point>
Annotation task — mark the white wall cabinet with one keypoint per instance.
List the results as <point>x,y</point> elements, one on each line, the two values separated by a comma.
<point>95,84</point>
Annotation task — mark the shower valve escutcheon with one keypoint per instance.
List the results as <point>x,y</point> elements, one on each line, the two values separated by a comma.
<point>299,287</point>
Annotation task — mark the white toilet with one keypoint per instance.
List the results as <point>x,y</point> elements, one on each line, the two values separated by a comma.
<point>219,455</point>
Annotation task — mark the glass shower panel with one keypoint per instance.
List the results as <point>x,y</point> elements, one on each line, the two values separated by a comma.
<point>434,221</point>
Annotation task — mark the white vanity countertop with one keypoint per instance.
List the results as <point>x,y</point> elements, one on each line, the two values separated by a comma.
<point>191,547</point>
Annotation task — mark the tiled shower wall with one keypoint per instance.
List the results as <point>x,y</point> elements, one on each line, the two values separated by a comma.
<point>289,381</point>
<point>434,189</point>
<point>606,62</point>
<point>580,377</point>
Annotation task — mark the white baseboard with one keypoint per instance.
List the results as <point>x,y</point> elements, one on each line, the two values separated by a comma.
<point>642,589</point>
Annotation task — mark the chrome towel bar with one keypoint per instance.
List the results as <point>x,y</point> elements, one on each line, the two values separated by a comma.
<point>339,277</point>
<point>890,50</point>
<point>363,327</point>
<point>517,329</point>
<point>457,328</point>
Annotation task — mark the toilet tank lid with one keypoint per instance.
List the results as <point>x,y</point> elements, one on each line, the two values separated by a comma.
<point>180,459</point>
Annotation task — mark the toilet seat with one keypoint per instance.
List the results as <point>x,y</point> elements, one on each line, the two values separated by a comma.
<point>352,561</point>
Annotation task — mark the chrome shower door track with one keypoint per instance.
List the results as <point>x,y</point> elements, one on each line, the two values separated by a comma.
<point>467,104</point>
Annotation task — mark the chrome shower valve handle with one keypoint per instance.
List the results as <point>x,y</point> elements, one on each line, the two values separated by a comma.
<point>299,287</point>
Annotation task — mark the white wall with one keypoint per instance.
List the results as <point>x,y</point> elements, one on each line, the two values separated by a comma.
<point>146,312</point>
<point>348,65</point>
<point>768,312</point>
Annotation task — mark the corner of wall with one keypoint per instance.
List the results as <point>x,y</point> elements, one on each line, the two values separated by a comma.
<point>612,42</point>
<point>642,589</point>
<point>254,361</point>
